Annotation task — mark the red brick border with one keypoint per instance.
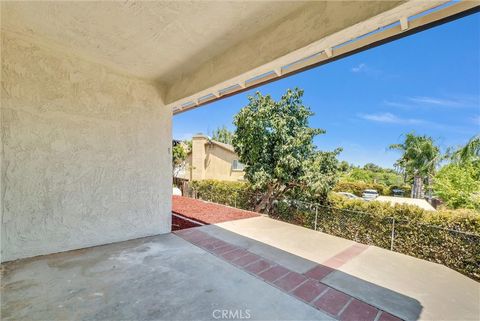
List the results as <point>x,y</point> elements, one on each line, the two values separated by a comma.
<point>306,287</point>
<point>322,270</point>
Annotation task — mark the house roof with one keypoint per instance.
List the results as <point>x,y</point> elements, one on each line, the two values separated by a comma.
<point>223,145</point>
<point>228,147</point>
<point>407,201</point>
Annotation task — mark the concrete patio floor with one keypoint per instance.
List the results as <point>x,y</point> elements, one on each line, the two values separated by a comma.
<point>407,287</point>
<point>199,272</point>
<point>156,278</point>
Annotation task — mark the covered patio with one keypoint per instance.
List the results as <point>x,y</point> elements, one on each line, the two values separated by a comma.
<point>88,94</point>
<point>258,268</point>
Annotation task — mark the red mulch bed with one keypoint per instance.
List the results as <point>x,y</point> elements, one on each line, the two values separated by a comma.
<point>179,224</point>
<point>206,212</point>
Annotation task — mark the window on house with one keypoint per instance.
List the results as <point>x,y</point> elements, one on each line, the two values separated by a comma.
<point>237,166</point>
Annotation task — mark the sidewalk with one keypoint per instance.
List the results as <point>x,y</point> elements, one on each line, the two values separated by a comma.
<point>404,286</point>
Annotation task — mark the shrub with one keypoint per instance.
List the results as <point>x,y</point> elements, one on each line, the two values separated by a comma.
<point>236,194</point>
<point>423,234</point>
<point>459,185</point>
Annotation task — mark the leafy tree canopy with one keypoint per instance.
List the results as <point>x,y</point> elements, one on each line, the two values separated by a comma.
<point>470,153</point>
<point>275,142</point>
<point>459,185</point>
<point>383,176</point>
<point>372,167</point>
<point>179,155</point>
<point>223,135</point>
<point>344,166</point>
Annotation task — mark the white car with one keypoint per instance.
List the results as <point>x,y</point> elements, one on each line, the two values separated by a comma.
<point>349,195</point>
<point>369,194</point>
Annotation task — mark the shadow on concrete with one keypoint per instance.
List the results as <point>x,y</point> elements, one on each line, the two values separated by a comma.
<point>385,299</point>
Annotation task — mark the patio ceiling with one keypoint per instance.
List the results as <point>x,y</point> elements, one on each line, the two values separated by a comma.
<point>152,40</point>
<point>197,52</point>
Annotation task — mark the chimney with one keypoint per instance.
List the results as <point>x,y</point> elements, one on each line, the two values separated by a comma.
<point>198,156</point>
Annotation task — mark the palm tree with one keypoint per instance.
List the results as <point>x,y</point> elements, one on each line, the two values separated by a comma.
<point>419,160</point>
<point>468,153</point>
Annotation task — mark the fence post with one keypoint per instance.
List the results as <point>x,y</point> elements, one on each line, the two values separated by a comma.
<point>316,216</point>
<point>393,234</point>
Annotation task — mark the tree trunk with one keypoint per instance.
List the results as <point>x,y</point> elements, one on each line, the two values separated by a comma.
<point>417,189</point>
<point>265,201</point>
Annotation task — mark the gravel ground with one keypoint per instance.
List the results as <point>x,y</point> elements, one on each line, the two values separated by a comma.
<point>206,212</point>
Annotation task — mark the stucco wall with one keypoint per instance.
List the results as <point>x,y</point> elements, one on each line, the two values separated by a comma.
<point>219,164</point>
<point>208,160</point>
<point>86,153</point>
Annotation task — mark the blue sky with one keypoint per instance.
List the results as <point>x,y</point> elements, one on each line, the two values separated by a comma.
<point>428,83</point>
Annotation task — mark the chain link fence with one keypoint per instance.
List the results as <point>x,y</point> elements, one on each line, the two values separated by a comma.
<point>457,249</point>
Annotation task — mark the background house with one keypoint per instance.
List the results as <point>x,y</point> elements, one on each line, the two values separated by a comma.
<point>209,159</point>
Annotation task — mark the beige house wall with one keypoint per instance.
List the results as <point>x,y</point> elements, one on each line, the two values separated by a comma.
<point>209,160</point>
<point>219,164</point>
<point>86,154</point>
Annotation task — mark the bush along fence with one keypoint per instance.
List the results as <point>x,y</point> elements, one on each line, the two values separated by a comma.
<point>451,238</point>
<point>443,244</point>
<point>235,194</point>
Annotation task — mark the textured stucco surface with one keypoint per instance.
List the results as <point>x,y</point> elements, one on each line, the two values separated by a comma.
<point>211,160</point>
<point>86,153</point>
<point>149,39</point>
<point>187,46</point>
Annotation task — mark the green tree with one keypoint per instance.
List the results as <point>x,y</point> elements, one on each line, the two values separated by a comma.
<point>179,154</point>
<point>344,166</point>
<point>459,185</point>
<point>419,160</point>
<point>371,173</point>
<point>275,142</point>
<point>372,167</point>
<point>321,175</point>
<point>223,135</point>
<point>470,153</point>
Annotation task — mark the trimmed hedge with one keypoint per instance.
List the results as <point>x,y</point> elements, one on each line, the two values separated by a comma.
<point>423,234</point>
<point>236,194</point>
<point>426,235</point>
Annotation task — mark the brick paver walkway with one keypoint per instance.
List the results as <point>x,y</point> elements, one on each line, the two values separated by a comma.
<point>306,287</point>
<point>206,212</point>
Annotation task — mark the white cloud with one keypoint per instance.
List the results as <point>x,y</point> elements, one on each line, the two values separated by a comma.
<point>361,67</point>
<point>396,104</point>
<point>431,102</point>
<point>390,119</point>
<point>436,101</point>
